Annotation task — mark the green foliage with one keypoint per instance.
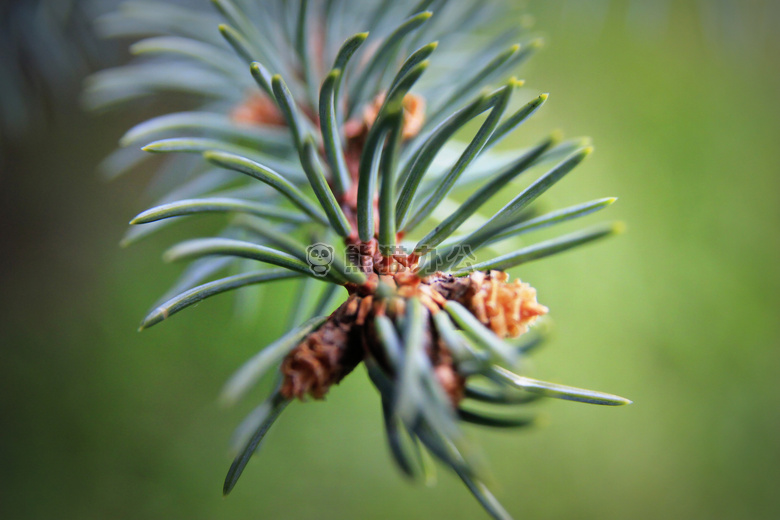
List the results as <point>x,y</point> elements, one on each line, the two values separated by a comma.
<point>47,47</point>
<point>326,186</point>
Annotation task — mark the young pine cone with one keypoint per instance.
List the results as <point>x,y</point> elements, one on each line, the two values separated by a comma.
<point>506,308</point>
<point>327,355</point>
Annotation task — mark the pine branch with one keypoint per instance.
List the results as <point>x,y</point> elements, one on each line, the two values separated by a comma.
<point>356,149</point>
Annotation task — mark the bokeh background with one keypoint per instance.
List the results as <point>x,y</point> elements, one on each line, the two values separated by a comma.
<point>680,313</point>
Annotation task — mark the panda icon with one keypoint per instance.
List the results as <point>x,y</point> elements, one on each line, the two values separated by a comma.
<point>319,257</point>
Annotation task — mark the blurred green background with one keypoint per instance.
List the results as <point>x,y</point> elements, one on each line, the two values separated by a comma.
<point>680,314</point>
